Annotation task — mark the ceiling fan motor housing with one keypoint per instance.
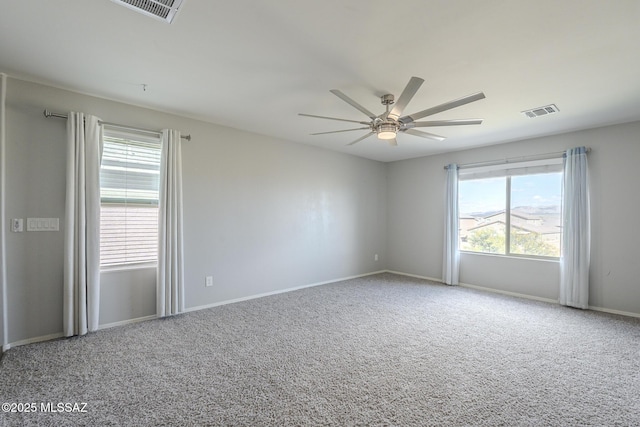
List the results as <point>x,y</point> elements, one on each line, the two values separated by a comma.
<point>387,130</point>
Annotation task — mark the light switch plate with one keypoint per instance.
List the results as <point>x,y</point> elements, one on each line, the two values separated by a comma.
<point>43,224</point>
<point>17,225</point>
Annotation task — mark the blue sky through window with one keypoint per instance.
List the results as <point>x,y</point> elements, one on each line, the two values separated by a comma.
<point>481,195</point>
<point>486,195</point>
<point>540,190</point>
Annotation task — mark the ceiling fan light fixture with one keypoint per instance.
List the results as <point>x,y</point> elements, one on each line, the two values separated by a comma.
<point>387,131</point>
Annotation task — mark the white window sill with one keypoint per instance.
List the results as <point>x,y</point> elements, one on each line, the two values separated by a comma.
<point>513,256</point>
<point>128,267</point>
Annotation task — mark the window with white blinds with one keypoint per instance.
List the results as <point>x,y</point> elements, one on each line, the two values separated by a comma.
<point>129,179</point>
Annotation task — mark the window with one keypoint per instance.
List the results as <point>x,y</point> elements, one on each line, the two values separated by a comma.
<point>512,209</point>
<point>129,180</point>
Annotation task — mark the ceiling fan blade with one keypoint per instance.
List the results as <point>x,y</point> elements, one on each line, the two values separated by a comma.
<point>424,134</point>
<point>332,118</point>
<point>406,96</point>
<point>393,142</point>
<point>338,131</point>
<point>442,107</point>
<point>361,138</point>
<point>353,103</point>
<point>457,122</point>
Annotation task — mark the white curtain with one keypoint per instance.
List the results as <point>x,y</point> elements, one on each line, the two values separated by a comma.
<point>451,258</point>
<point>82,225</point>
<point>576,237</point>
<point>170,278</point>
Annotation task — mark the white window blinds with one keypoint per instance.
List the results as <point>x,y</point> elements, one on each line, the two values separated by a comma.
<point>129,179</point>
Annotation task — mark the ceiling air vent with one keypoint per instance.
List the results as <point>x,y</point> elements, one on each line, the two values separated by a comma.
<point>164,10</point>
<point>541,111</point>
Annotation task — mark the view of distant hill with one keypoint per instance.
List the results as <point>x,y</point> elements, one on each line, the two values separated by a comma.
<point>529,210</point>
<point>538,210</point>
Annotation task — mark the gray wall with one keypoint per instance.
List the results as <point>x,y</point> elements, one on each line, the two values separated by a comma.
<point>261,215</point>
<point>35,188</point>
<point>415,219</point>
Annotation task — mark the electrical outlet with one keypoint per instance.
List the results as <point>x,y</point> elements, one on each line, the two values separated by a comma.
<point>375,257</point>
<point>208,281</point>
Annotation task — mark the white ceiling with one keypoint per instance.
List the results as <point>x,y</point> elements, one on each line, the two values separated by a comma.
<point>254,65</point>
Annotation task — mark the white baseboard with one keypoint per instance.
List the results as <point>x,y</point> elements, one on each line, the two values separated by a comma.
<point>127,322</point>
<point>280,291</point>
<point>33,340</point>
<point>511,294</point>
<point>479,288</point>
<point>517,295</point>
<point>610,311</point>
<point>400,273</point>
<point>60,334</point>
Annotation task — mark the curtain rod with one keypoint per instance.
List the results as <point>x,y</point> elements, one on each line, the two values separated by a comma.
<point>48,114</point>
<point>515,159</point>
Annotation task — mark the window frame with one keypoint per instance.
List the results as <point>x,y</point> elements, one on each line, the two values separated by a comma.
<point>509,170</point>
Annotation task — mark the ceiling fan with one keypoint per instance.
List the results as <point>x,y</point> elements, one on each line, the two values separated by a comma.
<point>387,125</point>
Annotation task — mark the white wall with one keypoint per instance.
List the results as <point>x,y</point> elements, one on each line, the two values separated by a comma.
<point>261,214</point>
<point>415,219</point>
